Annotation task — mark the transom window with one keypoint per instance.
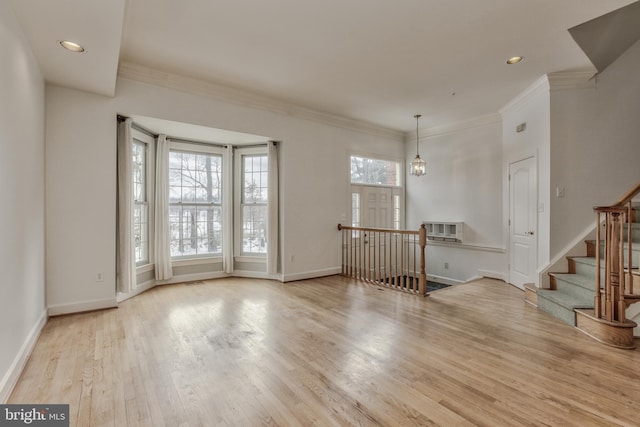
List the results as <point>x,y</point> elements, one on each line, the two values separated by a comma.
<point>374,171</point>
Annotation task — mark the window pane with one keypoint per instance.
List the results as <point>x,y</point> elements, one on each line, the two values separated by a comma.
<point>254,229</point>
<point>255,185</point>
<point>255,179</point>
<point>374,171</point>
<point>195,194</point>
<point>140,210</point>
<point>355,209</point>
<point>141,233</point>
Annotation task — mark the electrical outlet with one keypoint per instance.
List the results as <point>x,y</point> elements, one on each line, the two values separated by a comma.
<point>99,277</point>
<point>446,265</point>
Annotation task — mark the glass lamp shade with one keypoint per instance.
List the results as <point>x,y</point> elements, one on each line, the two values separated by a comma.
<point>418,166</point>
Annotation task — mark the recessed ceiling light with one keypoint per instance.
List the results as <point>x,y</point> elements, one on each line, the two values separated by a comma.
<point>515,60</point>
<point>73,47</point>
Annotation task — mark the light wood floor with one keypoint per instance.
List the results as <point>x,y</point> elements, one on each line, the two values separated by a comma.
<point>328,351</point>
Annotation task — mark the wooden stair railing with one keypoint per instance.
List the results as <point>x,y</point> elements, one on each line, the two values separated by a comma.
<point>386,257</point>
<point>613,296</point>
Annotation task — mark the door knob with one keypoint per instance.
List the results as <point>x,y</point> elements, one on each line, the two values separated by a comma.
<point>530,233</point>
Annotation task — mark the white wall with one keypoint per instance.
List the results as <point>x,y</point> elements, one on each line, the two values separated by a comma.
<point>530,107</point>
<point>22,292</point>
<point>463,183</point>
<point>595,146</point>
<point>81,172</point>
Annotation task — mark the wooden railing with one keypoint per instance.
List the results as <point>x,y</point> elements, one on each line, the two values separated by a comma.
<point>609,300</point>
<point>386,257</point>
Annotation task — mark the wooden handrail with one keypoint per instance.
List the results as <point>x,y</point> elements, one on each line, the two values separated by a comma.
<point>386,257</point>
<point>381,230</point>
<point>629,195</point>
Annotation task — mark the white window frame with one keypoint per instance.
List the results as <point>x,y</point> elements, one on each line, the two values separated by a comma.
<point>239,154</point>
<point>200,149</point>
<point>149,141</point>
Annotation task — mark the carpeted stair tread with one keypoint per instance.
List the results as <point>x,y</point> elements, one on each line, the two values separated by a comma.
<point>565,300</point>
<point>577,280</point>
<point>561,305</point>
<point>588,260</point>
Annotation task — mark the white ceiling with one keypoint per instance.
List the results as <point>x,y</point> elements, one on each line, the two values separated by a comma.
<point>377,61</point>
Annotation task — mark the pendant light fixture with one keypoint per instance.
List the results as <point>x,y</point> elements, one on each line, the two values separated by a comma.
<point>418,166</point>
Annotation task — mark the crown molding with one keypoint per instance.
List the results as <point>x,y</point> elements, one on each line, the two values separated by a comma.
<point>476,122</point>
<point>541,83</point>
<point>571,80</point>
<point>220,92</point>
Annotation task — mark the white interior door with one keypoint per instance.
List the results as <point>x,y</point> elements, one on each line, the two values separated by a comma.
<point>377,207</point>
<point>523,232</point>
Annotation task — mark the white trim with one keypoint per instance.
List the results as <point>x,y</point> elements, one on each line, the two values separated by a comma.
<point>312,274</point>
<point>476,122</point>
<point>471,246</point>
<point>178,262</point>
<point>121,296</point>
<point>144,269</point>
<point>444,280</point>
<point>251,258</point>
<point>78,307</point>
<point>571,80</point>
<point>10,379</point>
<point>492,274</point>
<point>246,98</point>
<point>256,275</point>
<point>524,96</point>
<point>193,277</point>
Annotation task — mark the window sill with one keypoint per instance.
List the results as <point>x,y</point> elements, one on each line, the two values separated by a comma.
<point>145,268</point>
<point>196,261</point>
<point>249,258</point>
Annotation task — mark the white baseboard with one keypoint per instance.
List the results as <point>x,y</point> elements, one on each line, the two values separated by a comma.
<point>15,370</point>
<point>192,277</point>
<point>78,307</point>
<point>257,275</point>
<point>312,274</point>
<point>443,280</point>
<point>122,296</point>
<point>493,274</point>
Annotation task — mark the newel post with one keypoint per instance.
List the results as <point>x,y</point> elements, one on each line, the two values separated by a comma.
<point>422,283</point>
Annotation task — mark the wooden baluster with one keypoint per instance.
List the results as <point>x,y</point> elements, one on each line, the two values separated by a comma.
<point>403,280</point>
<point>423,275</point>
<point>629,219</point>
<point>384,258</point>
<point>614,272</point>
<point>354,247</point>
<point>395,267</point>
<point>607,267</point>
<point>621,308</point>
<point>597,303</point>
<point>342,242</point>
<point>374,264</point>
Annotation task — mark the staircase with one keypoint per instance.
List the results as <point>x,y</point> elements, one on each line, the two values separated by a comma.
<point>572,296</point>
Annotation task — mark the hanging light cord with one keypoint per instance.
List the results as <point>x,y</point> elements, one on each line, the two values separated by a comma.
<point>417,116</point>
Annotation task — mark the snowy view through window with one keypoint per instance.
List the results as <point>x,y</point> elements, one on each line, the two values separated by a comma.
<point>254,204</point>
<point>195,203</point>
